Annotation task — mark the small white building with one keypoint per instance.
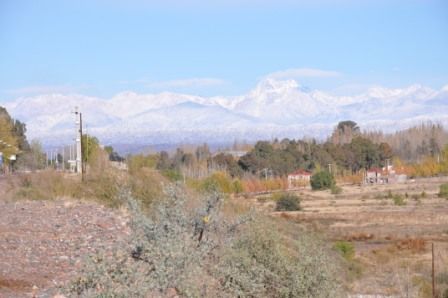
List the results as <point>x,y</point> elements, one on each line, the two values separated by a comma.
<point>299,178</point>
<point>385,175</point>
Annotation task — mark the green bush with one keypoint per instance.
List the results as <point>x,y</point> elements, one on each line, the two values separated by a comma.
<point>443,192</point>
<point>287,202</point>
<point>219,182</point>
<point>322,180</point>
<point>399,200</point>
<point>336,190</point>
<point>346,249</point>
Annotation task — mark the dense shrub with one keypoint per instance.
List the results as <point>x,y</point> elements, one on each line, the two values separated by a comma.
<point>199,252</point>
<point>443,191</point>
<point>287,202</point>
<point>266,263</point>
<point>322,180</point>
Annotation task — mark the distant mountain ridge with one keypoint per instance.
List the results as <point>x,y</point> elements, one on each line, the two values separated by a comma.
<point>274,108</point>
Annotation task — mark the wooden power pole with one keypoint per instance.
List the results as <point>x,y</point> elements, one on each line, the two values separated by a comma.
<point>433,277</point>
<point>83,165</point>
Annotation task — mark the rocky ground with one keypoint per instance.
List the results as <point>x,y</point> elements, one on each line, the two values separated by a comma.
<point>43,244</point>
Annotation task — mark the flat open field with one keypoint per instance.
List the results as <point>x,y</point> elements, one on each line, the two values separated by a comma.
<point>392,241</point>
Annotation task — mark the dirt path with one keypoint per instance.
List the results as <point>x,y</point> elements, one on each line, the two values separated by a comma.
<point>44,243</point>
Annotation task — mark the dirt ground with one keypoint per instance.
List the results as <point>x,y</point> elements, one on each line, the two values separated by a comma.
<point>392,242</point>
<point>44,243</point>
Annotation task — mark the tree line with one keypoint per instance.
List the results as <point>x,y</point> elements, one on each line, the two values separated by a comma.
<point>347,151</point>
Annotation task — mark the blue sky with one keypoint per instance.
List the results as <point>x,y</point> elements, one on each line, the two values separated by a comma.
<point>100,48</point>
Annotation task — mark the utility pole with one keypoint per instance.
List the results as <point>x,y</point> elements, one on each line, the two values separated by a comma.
<point>63,159</point>
<point>83,166</point>
<point>79,163</point>
<point>433,279</point>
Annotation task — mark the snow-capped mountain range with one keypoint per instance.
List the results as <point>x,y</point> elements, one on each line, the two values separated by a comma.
<point>274,108</point>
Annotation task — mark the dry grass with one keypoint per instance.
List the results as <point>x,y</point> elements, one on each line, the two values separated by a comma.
<point>391,241</point>
<point>101,186</point>
<point>415,245</point>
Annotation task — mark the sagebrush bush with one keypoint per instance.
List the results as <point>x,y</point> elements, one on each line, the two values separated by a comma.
<point>287,202</point>
<point>264,263</point>
<point>191,248</point>
<point>168,249</point>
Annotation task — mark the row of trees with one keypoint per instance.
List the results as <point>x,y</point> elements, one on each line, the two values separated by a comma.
<point>285,156</point>
<point>414,144</point>
<point>346,152</point>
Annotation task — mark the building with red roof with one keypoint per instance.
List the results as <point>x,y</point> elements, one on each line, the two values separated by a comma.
<point>299,178</point>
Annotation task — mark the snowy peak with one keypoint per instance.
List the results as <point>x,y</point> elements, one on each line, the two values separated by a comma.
<point>274,108</point>
<point>414,91</point>
<point>270,85</point>
<point>281,102</point>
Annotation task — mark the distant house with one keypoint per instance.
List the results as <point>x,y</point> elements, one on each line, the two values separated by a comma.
<point>375,176</point>
<point>299,178</point>
<point>384,175</point>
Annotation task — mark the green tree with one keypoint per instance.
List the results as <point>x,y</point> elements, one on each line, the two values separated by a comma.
<point>344,132</point>
<point>366,154</point>
<point>322,180</point>
<point>226,162</point>
<point>8,140</point>
<point>113,155</point>
<point>16,128</point>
